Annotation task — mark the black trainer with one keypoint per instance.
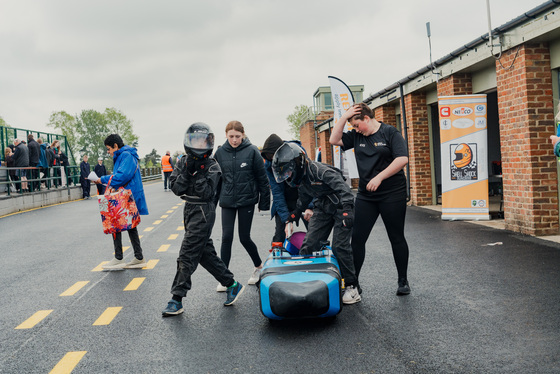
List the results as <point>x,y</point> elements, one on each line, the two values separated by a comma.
<point>404,288</point>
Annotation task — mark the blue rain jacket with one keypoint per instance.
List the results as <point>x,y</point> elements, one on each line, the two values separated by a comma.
<point>126,170</point>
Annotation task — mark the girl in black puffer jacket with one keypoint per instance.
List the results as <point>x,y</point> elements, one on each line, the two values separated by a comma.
<point>244,184</point>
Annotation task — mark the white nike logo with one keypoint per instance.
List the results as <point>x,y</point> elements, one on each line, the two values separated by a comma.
<point>243,165</point>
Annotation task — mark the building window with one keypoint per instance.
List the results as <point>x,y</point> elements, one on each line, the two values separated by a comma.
<point>328,101</point>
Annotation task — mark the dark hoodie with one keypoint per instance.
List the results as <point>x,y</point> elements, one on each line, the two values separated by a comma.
<point>271,144</point>
<point>284,197</point>
<point>244,181</point>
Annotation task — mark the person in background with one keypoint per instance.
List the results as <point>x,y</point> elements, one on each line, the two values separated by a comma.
<point>381,154</point>
<point>555,139</point>
<point>55,146</point>
<point>126,173</point>
<point>43,164</point>
<point>21,160</point>
<point>100,170</point>
<point>64,164</point>
<point>9,157</point>
<point>167,167</point>
<point>34,154</point>
<point>84,181</point>
<point>284,197</point>
<point>244,183</point>
<point>195,180</point>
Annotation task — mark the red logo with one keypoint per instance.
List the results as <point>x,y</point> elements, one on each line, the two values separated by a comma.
<point>444,111</point>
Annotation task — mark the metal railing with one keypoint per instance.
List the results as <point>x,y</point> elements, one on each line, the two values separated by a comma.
<point>37,179</point>
<point>56,177</point>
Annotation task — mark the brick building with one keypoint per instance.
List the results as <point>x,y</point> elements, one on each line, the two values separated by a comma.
<point>521,81</point>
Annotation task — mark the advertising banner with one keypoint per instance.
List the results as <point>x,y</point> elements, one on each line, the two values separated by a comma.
<point>342,99</point>
<point>464,157</point>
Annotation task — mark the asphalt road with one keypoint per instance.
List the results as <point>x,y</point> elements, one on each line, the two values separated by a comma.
<point>474,307</point>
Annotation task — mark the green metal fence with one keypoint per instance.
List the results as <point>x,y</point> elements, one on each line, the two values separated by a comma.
<point>8,134</point>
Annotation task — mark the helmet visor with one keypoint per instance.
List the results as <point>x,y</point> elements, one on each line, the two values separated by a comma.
<point>199,142</point>
<point>283,172</point>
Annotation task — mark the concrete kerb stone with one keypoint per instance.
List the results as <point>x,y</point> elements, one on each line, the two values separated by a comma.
<point>17,203</point>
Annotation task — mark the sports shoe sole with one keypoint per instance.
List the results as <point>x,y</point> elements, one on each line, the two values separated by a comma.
<point>353,301</point>
<point>252,281</point>
<point>113,268</point>
<point>236,297</point>
<point>136,266</point>
<point>170,314</point>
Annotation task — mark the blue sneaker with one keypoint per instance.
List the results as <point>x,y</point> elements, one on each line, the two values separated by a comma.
<point>233,293</point>
<point>173,308</point>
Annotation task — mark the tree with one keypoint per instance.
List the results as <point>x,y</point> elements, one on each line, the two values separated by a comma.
<point>92,130</point>
<point>3,123</point>
<point>152,159</point>
<point>85,133</point>
<point>298,118</point>
<point>117,123</point>
<point>67,125</point>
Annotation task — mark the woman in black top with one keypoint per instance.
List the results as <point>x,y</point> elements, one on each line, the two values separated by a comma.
<point>381,154</point>
<point>244,183</point>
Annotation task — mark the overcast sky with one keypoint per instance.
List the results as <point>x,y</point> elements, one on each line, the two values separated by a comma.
<point>167,64</point>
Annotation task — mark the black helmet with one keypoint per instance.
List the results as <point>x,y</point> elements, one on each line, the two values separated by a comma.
<point>199,140</point>
<point>288,164</point>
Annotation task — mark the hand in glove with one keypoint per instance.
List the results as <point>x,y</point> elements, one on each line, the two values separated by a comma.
<point>348,217</point>
<point>196,165</point>
<point>294,216</point>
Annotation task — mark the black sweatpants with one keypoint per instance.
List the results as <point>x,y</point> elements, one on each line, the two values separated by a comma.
<point>198,248</point>
<point>245,215</point>
<point>320,226</point>
<point>86,186</point>
<point>134,240</point>
<point>393,216</point>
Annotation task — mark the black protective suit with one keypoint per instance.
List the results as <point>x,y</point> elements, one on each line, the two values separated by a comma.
<point>326,184</point>
<point>198,190</point>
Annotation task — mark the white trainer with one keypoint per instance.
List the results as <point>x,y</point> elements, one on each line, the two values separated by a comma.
<point>351,295</point>
<point>255,276</point>
<point>136,264</point>
<point>114,264</point>
<point>221,288</point>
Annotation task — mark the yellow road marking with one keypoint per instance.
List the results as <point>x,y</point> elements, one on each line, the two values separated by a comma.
<point>134,284</point>
<point>169,211</point>
<point>148,229</point>
<point>164,216</point>
<point>125,248</point>
<point>34,319</point>
<point>173,236</point>
<point>164,248</point>
<point>175,207</point>
<point>180,228</point>
<point>75,288</point>
<point>158,222</point>
<point>68,362</point>
<point>99,267</point>
<point>140,237</point>
<point>150,264</point>
<point>107,316</point>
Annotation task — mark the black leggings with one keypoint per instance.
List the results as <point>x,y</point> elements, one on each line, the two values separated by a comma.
<point>393,215</point>
<point>245,215</point>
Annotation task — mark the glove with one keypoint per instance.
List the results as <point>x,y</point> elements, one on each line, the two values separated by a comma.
<point>294,216</point>
<point>348,217</point>
<point>195,165</point>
